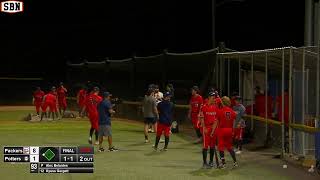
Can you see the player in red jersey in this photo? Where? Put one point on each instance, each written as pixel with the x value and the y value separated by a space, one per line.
pixel 91 102
pixel 37 99
pixel 196 102
pixel 226 118
pixel 209 123
pixel 50 100
pixel 286 107
pixel 81 97
pixel 62 100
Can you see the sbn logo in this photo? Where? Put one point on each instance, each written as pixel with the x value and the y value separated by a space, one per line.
pixel 12 6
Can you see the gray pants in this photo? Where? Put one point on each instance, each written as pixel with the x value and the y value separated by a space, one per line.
pixel 105 130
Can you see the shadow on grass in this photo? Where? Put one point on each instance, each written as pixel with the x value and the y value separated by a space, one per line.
pixel 137 144
pixel 131 130
pixel 154 153
pixel 210 172
pixel 175 166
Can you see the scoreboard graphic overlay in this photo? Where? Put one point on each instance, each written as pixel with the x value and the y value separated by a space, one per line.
pixel 52 159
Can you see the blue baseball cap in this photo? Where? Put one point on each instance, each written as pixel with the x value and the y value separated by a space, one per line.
pixel 167 94
pixel 107 94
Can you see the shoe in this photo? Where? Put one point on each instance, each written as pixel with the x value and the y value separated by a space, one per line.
pixel 90 141
pixel 198 141
pixel 146 141
pixel 155 148
pixel 101 150
pixel 205 166
pixel 152 131
pixel 238 152
pixel 96 143
pixel 149 130
pixel 235 164
pixel 211 164
pixel 161 141
pixel 164 149
pixel 113 149
pixel 222 166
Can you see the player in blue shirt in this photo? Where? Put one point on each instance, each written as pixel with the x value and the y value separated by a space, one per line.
pixel 105 110
pixel 165 109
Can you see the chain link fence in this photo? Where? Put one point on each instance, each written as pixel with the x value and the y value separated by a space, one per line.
pixel 280 89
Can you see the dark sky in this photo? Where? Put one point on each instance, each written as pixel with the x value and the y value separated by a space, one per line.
pixel 48 34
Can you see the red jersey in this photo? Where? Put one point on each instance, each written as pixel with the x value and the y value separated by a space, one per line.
pixel 82 96
pixel 226 117
pixel 61 93
pixel 196 103
pixel 50 98
pixel 209 114
pixel 38 96
pixel 260 101
pixel 286 107
pixel 91 102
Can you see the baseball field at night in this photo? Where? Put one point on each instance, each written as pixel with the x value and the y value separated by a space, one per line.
pixel 135 160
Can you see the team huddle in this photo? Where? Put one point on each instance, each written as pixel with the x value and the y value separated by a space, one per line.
pixel 50 103
pixel 217 121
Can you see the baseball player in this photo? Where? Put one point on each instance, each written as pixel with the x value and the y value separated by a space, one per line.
pixel 209 122
pixel 239 123
pixel 196 102
pixel 226 118
pixel 62 100
pixel 91 103
pixel 37 99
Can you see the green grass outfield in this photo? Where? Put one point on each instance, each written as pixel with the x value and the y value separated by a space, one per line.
pixel 135 161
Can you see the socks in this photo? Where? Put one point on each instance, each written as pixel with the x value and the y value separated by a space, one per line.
pixel 233 155
pixel 157 141
pixel 96 134
pixel 222 157
pixel 240 145
pixel 166 142
pixel 91 132
pixel 198 133
pixel 211 154
pixel 204 155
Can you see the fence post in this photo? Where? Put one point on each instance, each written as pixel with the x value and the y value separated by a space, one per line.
pixel 239 76
pixel 318 88
pixel 133 76
pixel 303 98
pixel 282 104
pixel 252 94
pixel 266 94
pixel 290 100
pixel 228 77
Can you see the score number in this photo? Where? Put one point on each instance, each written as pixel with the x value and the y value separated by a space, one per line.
pixel 34 154
pixel 68 158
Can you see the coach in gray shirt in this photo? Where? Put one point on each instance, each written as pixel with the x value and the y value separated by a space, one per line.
pixel 150 112
pixel 240 110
